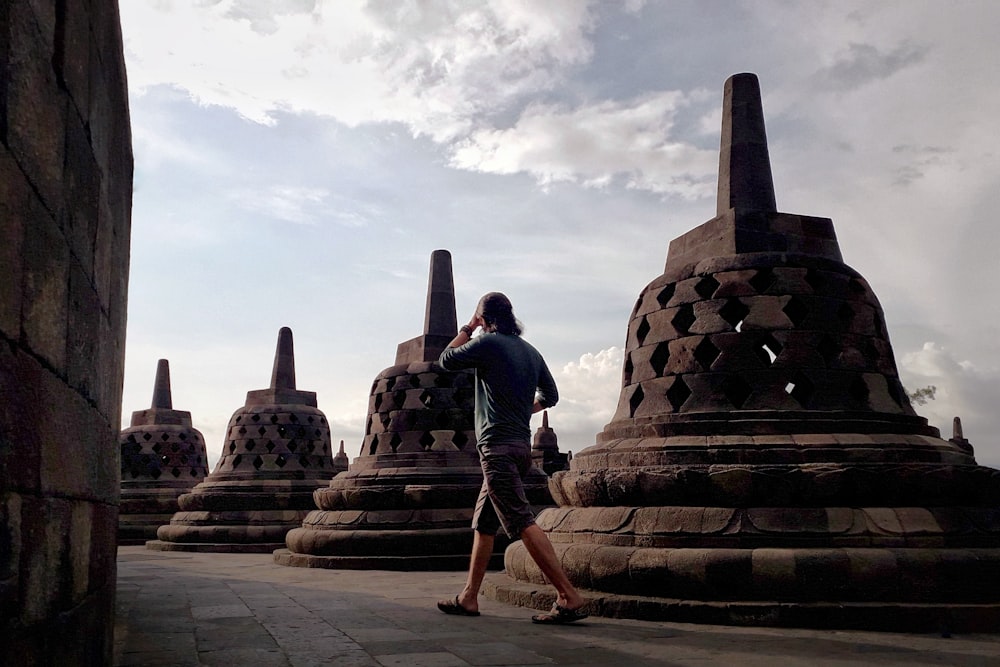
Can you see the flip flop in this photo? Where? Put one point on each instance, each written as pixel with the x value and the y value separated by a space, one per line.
pixel 559 616
pixel 454 608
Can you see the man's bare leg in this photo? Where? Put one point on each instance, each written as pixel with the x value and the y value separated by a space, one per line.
pixel 541 551
pixel 482 550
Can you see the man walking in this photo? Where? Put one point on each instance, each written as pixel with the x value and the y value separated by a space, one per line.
pixel 512 383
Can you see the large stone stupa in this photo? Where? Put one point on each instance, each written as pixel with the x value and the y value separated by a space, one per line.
pixel 764 465
pixel 162 456
pixel 406 503
pixel 276 453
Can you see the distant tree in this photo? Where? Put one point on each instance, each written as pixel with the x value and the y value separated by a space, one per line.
pixel 922 395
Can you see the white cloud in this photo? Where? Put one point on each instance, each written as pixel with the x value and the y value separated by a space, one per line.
pixel 591 145
pixel 284 202
pixel 588 395
pixel 963 390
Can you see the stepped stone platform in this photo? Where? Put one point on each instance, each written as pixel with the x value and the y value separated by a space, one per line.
pixel 162 456
pixel 277 453
pixel 764 464
pixel 406 503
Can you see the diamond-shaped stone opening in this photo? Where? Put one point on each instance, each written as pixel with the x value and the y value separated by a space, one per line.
pixel 399 397
pixel 634 400
pixel 390 383
pixel 426 398
pixel 311 447
pixel 460 439
pixel 706 287
pixel 250 444
pixel 131 438
pixel 157 447
pixel 767 350
pixel 193 473
pixel 155 473
pixel 239 419
pixel 658 360
pixel 292 445
pixel 261 431
pixel 397 439
pixel 734 312
pixel 293 418
pixel 796 311
pixel 385 418
pixel 378 402
pixel 642 330
pixel 164 437
pixel 683 318
pixel 232 446
pixel 443 421
pixel 281 431
pixel 801 389
pixel 413 380
pixel 175 447
pixel 814 280
pixel 736 390
pixel 706 353
pixel 443 380
pixel 164 460
pixel 666 294
pixel 255 418
pixel 304 462
pixel 373 446
pixel 426 440
pixel 176 472
pixel 237 460
pixel 281 461
pixel 845 314
pixel 859 390
pixel 242 430
pixel 310 419
pixel 828 349
pixel 258 462
pixel 678 393
pixel 627 370
pixel 183 435
pixel 147 437
pixel 635 308
pixel 761 280
pixel 274 419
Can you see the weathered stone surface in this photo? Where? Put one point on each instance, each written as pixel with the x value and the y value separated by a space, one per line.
pixel 763 451
pixel 65 161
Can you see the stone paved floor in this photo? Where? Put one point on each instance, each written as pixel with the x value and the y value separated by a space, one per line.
pixel 242 610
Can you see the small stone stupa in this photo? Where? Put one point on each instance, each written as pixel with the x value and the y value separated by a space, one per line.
pixel 162 456
pixel 545 449
pixel 764 465
pixel 276 453
pixel 406 503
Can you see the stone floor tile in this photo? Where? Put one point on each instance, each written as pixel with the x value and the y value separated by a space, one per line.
pixel 442 659
pixel 497 653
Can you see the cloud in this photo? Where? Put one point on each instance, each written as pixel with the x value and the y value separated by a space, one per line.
pixel 594 145
pixel 963 390
pixel 864 63
pixel 588 396
pixel 289 203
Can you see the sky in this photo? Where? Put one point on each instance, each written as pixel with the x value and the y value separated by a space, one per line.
pixel 298 161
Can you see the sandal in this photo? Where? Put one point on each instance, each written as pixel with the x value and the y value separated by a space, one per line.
pixel 455 608
pixel 559 616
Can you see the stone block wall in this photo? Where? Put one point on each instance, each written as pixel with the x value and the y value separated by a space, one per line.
pixel 65 207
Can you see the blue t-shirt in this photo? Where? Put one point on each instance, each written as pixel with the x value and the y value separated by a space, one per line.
pixel 510 374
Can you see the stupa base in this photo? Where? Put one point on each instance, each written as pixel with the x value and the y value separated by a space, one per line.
pixel 437 563
pixel 215 547
pixel 908 617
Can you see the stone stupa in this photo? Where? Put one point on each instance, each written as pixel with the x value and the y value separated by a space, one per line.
pixel 406 503
pixel 162 456
pixel 545 448
pixel 276 453
pixel 764 465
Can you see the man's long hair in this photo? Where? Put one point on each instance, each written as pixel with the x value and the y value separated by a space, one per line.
pixel 498 314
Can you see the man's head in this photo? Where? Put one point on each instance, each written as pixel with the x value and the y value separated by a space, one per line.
pixel 498 314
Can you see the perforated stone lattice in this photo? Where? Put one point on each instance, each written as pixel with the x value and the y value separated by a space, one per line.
pixel 420 407
pixel 791 337
pixel 277 440
pixel 155 453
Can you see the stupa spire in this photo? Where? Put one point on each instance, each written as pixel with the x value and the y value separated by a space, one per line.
pixel 283 374
pixel 744 165
pixel 440 320
pixel 161 387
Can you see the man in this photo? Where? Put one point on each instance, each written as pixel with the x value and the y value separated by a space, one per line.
pixel 512 383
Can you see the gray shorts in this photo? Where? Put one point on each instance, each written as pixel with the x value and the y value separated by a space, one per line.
pixel 502 501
